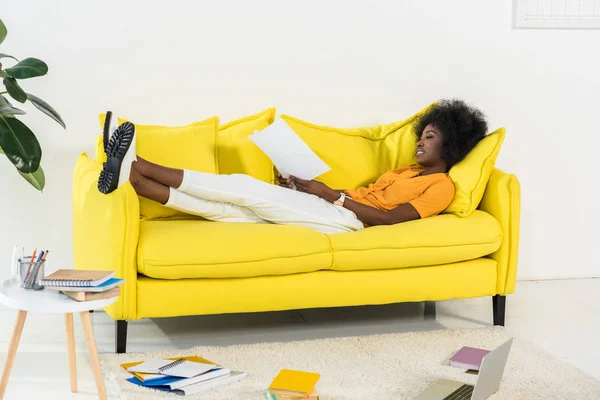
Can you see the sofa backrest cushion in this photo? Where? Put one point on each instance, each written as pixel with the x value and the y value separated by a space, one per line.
pixel 358 156
pixel 236 154
pixel 185 147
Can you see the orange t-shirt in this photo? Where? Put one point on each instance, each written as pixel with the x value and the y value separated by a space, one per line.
pixel 429 194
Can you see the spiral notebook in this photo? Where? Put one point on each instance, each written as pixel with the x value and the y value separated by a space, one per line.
pixel 77 277
pixel 181 368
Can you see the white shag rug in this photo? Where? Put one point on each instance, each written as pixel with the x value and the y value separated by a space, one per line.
pixel 390 366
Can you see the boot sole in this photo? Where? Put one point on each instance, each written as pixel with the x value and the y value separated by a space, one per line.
pixel 116 151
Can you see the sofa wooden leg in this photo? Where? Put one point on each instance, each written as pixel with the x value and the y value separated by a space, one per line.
pixel 499 305
pixel 430 310
pixel 120 336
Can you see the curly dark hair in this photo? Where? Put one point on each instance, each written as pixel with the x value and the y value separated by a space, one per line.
pixel 462 127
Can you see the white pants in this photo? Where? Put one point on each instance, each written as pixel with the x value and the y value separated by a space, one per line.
pixel 241 198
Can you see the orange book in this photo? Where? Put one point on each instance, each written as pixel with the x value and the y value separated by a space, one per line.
pixel 294 383
pixel 88 296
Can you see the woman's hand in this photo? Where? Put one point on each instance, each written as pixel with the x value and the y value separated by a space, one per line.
pixel 283 182
pixel 317 188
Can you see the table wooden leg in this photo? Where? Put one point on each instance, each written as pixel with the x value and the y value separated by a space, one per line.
pixel 12 351
pixel 69 330
pixel 86 321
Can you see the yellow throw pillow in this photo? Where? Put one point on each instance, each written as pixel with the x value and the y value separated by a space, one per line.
pixel 184 147
pixel 236 154
pixel 471 175
pixel 358 156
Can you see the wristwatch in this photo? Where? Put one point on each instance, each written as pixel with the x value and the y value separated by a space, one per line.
pixel 340 201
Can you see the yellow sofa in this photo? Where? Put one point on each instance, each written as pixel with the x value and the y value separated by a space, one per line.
pixel 183 265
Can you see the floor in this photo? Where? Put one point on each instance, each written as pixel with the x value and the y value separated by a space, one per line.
pixel 561 316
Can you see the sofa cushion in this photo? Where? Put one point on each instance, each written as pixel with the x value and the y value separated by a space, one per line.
pixel 185 147
pixel 236 154
pixel 176 249
pixel 436 240
pixel 471 175
pixel 358 156
pixel 376 150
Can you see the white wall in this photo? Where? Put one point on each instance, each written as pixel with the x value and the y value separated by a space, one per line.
pixel 342 63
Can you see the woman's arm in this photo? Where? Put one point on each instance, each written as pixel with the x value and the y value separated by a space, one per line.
pixel 373 216
pixel 367 214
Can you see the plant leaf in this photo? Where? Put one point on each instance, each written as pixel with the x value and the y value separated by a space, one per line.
pixel 37 178
pixel 3 31
pixel 20 144
pixel 27 68
pixel 7 56
pixel 7 108
pixel 46 109
pixel 15 91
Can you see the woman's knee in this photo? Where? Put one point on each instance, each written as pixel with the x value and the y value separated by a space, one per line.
pixel 135 177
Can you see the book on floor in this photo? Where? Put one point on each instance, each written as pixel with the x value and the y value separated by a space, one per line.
pixel 468 358
pixel 77 277
pixel 159 374
pixel 294 383
pixel 194 388
pixel 214 373
pixel 171 382
pixel 272 396
pixel 103 287
pixel 89 296
pixel 179 368
pixel 153 376
pixel 233 376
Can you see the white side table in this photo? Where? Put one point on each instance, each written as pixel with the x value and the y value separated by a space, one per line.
pixel 50 301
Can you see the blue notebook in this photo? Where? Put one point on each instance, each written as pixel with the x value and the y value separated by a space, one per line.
pixel 158 384
pixel 109 284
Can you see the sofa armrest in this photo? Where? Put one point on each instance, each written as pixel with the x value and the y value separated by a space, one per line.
pixel 106 232
pixel 502 199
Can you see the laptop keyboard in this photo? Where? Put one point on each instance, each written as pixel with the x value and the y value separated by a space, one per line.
pixel 462 393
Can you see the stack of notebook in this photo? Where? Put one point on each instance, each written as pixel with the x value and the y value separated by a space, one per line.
pixel 181 375
pixel 293 385
pixel 82 285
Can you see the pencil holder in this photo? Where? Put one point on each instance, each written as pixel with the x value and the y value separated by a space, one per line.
pixel 31 272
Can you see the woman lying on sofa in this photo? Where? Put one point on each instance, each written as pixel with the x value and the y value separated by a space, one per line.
pixel 446 133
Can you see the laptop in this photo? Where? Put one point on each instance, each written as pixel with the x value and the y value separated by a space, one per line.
pixel 488 380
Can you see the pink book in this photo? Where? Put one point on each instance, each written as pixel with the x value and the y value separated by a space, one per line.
pixel 468 358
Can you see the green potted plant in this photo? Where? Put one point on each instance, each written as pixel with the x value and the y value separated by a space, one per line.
pixel 17 141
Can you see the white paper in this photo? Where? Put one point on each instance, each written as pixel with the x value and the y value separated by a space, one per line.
pixel 210 384
pixel 288 151
pixel 201 378
pixel 150 366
